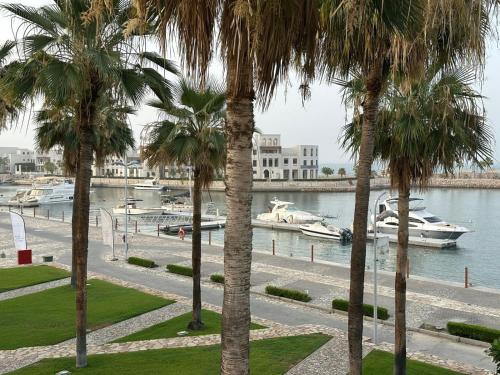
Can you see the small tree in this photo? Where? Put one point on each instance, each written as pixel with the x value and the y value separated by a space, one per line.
pixel 49 167
pixel 341 172
pixel 327 171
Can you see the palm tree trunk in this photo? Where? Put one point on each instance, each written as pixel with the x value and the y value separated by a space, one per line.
pixel 76 209
pixel 196 322
pixel 358 253
pixel 238 232
pixel 400 287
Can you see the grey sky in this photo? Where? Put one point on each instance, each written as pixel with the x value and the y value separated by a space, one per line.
pixel 317 122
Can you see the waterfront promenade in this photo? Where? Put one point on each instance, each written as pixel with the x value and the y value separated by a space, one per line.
pixel 429 302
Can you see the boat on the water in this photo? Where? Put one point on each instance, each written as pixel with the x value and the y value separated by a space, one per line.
pixel 17 198
pixel 281 212
pixel 188 227
pixel 179 203
pixel 151 184
pixel 47 194
pixel 421 223
pixel 331 232
pixel 131 209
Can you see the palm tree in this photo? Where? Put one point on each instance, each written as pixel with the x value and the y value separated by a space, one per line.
pixel 8 107
pixel 257 52
pixel 381 40
pixel 341 172
pixel 192 134
pixel 95 59
pixel 435 124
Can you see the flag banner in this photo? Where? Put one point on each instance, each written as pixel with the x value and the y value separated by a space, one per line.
pixel 18 231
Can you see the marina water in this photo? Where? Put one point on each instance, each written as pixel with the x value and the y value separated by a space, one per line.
pixel 478 210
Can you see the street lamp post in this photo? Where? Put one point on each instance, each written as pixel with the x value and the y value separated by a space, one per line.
pixel 375 315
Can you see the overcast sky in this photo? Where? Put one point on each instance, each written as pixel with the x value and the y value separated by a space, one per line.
pixel 317 122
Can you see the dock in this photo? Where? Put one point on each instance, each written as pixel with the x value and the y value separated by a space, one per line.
pixel 275 226
pixel 418 241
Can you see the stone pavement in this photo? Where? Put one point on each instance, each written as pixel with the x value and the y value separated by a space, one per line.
pixel 323 282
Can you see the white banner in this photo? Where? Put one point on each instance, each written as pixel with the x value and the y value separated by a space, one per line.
pixel 18 231
pixel 107 228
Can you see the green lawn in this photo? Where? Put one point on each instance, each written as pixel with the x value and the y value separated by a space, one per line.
pixel 19 277
pixel 48 317
pixel 381 363
pixel 267 357
pixel 170 328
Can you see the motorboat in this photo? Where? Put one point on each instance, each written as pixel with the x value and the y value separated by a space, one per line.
pixel 344 235
pixel 151 184
pixel 18 197
pixel 421 223
pixel 49 194
pixel 179 203
pixel 281 212
pixel 131 209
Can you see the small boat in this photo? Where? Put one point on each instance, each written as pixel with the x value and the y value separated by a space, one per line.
pixel 281 212
pixel 132 209
pixel 421 223
pixel 344 235
pixel 188 227
pixel 49 194
pixel 151 184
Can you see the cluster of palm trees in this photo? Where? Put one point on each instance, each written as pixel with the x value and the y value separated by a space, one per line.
pixel 407 67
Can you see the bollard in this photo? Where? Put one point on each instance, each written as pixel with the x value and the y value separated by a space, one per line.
pixel 210 237
pixel 34 211
pixel 136 226
pixel 274 253
pixel 312 253
pixel 466 276
pixel 21 210
pixel 63 216
pixel 96 220
pixel 116 223
pixel 48 214
pixel 408 268
pixel 158 230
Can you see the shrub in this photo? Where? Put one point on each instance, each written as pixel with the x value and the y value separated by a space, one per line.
pixel 141 262
pixel 494 353
pixel 288 293
pixel 342 304
pixel 180 270
pixel 473 331
pixel 216 278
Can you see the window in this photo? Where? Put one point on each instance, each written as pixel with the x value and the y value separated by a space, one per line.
pixel 255 163
pixel 285 161
pixel 254 172
pixel 316 163
pixel 312 162
pixel 304 174
pixel 275 162
pixel 433 219
pixel 413 220
pixel 316 152
pixel 275 142
pixel 305 162
pixel 312 152
pixel 305 152
pixel 294 161
pixel 270 162
pixel 254 151
pixel 264 162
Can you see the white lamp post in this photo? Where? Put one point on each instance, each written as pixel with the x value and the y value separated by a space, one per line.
pixel 375 338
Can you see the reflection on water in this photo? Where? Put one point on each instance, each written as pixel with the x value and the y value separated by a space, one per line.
pixel 475 209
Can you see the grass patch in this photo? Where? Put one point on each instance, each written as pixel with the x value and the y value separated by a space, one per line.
pixel 288 293
pixel 267 357
pixel 216 278
pixel 141 262
pixel 342 304
pixel 20 277
pixel 382 363
pixel 472 331
pixel 180 270
pixel 170 328
pixel 48 317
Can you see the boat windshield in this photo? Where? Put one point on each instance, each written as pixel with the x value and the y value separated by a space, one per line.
pixel 433 219
pixel 40 192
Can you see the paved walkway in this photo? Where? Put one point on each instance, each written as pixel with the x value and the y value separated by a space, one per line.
pixel 428 301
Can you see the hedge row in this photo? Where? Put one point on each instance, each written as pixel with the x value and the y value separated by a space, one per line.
pixel 181 270
pixel 473 331
pixel 216 278
pixel 141 262
pixel 288 293
pixel 342 304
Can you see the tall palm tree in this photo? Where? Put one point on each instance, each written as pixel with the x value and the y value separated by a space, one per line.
pixel 95 59
pixel 434 124
pixel 192 134
pixel 257 52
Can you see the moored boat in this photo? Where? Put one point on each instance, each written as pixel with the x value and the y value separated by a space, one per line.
pixel 331 232
pixel 281 212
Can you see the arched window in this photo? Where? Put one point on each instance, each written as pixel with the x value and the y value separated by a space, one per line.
pixel 275 142
pixel 264 141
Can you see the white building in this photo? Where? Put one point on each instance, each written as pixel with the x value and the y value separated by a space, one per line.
pixel 272 161
pixel 17 160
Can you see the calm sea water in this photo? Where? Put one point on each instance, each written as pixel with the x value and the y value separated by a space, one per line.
pixel 476 209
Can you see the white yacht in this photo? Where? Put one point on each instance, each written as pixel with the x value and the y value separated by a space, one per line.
pixel 330 231
pixel 421 223
pixel 281 212
pixel 151 184
pixel 18 197
pixel 132 209
pixel 49 194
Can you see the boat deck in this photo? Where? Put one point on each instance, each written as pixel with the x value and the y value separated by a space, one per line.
pixel 272 225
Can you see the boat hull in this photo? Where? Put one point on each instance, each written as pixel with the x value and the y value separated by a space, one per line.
pixel 423 233
pixel 312 233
